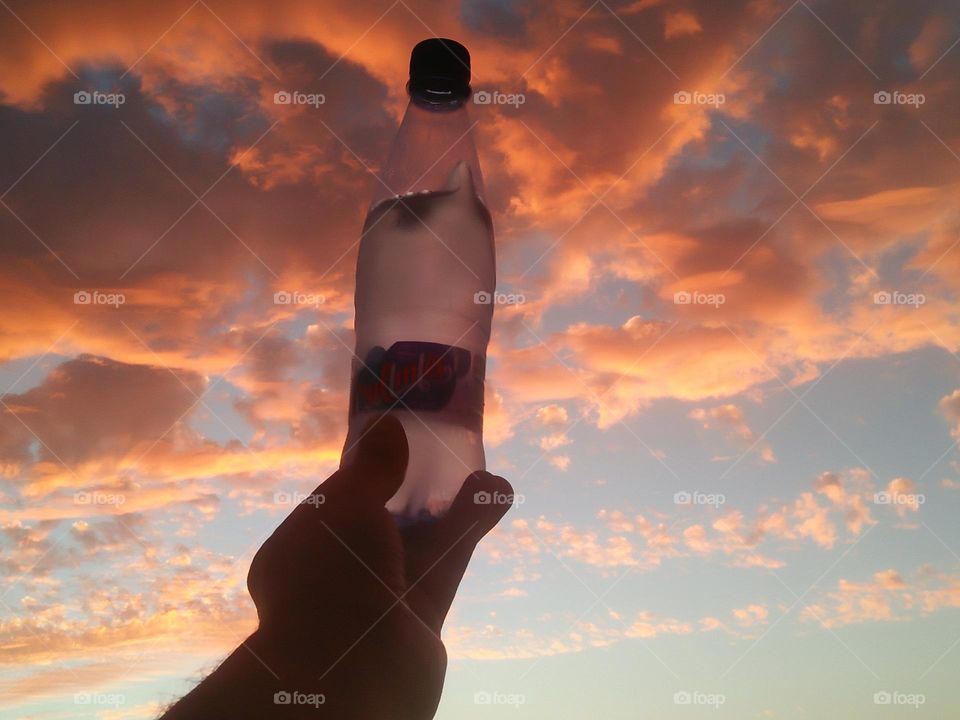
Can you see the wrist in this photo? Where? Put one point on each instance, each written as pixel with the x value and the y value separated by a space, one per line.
pixel 341 677
pixel 392 671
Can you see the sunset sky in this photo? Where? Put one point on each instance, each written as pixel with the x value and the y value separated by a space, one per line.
pixel 790 169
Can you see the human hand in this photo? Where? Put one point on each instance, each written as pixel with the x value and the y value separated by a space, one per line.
pixel 350 605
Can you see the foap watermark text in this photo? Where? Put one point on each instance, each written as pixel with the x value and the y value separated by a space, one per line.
pixel 295 297
pixel 295 97
pixel 696 697
pixel 485 497
pixel 896 697
pixel 494 697
pixel 686 497
pixel 895 97
pixel 695 97
pixel 495 97
pixel 296 697
pixel 885 497
pixel 695 297
pixel 98 297
pixel 282 497
pixel 99 698
pixel 98 497
pixel 95 97
pixel 482 297
pixel 895 297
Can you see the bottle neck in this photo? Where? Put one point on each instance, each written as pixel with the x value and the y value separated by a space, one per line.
pixel 437 100
pixel 433 138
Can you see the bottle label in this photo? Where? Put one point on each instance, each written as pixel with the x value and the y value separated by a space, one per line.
pixel 415 375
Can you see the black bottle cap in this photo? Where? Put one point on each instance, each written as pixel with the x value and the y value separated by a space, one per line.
pixel 439 70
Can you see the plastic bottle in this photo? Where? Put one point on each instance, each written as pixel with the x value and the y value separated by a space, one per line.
pixel 426 274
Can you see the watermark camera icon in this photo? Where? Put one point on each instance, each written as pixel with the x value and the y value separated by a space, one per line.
pixel 282 97
pixel 482 97
pixel 82 97
pixel 282 698
pixel 682 97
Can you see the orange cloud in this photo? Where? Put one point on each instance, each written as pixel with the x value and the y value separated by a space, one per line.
pixel 730 418
pixel 680 23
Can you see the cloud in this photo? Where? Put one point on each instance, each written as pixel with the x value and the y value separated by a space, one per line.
pixel 683 207
pixel 814 521
pixel 493 642
pixel 889 579
pixel 646 541
pixel 93 407
pixel 885 597
pixel 930 42
pixel 848 494
pixel 498 422
pixel 206 595
pixel 751 615
pixel 946 596
pixel 680 23
pixel 902 494
pixel 950 408
pixel 552 416
pixel 729 418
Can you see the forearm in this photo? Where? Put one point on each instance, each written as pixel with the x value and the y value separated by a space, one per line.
pixel 241 687
pixel 259 682
pixel 264 679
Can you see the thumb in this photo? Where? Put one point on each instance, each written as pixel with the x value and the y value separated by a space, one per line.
pixel 482 501
pixel 438 554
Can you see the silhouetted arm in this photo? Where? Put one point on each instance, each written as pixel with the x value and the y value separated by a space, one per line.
pixel 350 607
